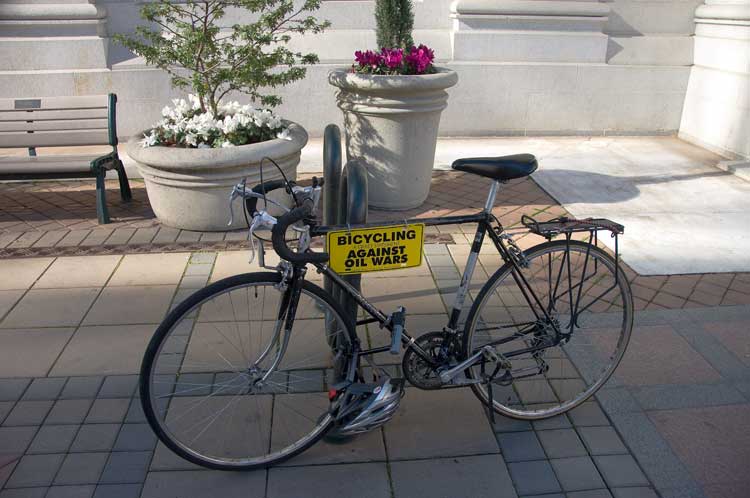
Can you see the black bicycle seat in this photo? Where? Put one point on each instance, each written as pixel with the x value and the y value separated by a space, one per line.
pixel 502 168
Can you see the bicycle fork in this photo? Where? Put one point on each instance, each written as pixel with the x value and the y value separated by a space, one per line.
pixel 284 320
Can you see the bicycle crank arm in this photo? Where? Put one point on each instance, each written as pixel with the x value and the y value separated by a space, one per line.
pixel 487 351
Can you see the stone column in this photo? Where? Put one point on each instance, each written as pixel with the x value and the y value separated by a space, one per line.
pixel 52 35
pixel 716 113
pixel 529 30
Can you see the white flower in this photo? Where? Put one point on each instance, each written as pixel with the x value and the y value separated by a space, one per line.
pixel 191 139
pixel 203 145
pixel 227 144
pixel 166 111
pixel 149 140
pixel 284 134
pixel 274 122
pixel 230 124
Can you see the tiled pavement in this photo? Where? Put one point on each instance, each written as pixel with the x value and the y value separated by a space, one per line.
pixel 672 423
pixel 48 219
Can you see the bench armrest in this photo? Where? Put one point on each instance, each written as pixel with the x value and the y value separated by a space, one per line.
pixel 104 161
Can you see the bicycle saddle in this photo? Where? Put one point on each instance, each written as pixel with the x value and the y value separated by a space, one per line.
pixel 502 168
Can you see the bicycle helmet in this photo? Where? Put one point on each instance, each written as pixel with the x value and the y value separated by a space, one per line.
pixel 364 407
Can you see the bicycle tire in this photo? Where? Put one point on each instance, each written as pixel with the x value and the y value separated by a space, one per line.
pixel 175 317
pixel 504 272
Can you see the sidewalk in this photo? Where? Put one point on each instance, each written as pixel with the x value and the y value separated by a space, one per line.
pixel 79 301
pixel 672 422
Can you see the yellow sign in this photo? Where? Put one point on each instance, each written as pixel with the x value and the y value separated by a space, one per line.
pixel 375 249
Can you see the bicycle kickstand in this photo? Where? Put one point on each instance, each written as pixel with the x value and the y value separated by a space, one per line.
pixel 490 397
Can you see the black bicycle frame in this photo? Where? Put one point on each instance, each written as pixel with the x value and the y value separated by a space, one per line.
pixel 484 220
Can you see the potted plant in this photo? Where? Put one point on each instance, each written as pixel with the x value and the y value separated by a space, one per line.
pixel 204 145
pixel 392 100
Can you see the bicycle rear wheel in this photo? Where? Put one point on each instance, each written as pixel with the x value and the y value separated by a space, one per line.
pixel 202 386
pixel 571 354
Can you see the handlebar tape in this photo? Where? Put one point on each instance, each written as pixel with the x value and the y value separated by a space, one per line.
pixel 278 236
pixel 252 202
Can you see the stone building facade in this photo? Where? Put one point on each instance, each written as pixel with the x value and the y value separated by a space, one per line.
pixel 526 67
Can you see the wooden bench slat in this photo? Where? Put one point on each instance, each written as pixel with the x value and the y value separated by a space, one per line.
pixel 55 138
pixel 54 125
pixel 51 103
pixel 19 165
pixel 44 115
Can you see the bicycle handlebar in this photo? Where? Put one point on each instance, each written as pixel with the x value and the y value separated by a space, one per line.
pixel 251 203
pixel 278 236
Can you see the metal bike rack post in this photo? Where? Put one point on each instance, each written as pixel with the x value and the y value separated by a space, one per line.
pixel 331 183
pixel 353 197
pixel 344 201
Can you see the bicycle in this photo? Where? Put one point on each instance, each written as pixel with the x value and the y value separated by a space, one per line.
pixel 255 368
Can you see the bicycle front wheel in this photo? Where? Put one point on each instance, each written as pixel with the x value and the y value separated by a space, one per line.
pixel 563 340
pixel 224 387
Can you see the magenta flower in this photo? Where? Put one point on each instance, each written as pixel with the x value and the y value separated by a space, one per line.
pixel 392 58
pixel 420 58
pixel 368 59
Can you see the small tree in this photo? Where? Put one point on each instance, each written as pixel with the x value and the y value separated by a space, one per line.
pixel 395 21
pixel 187 40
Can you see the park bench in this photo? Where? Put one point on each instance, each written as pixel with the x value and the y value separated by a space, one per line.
pixel 62 122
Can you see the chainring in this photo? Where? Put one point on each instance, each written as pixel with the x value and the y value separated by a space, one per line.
pixel 416 370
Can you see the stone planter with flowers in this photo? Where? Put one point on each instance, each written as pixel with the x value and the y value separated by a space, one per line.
pixel 392 100
pixel 203 146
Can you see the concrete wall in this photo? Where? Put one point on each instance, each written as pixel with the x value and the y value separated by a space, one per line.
pixel 717 105
pixel 623 69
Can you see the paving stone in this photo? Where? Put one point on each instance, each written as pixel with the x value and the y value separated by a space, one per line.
pixel 577 473
pixel 368 447
pixel 31 352
pixel 200 484
pixel 44 388
pixel 639 492
pixel 28 413
pixel 302 381
pixel 474 476
pixel 24 493
pixel 118 386
pixel 592 493
pixel 561 443
pixel 588 414
pixel 62 307
pixel 656 456
pixel 81 468
pixel 602 440
pixel 108 411
pixel 620 471
pixel 126 467
pixel 135 437
pixel 16 439
pixel 5 409
pixel 365 480
pixel 143 235
pixel 194 270
pixel 118 491
pixel 135 412
pixel 12 389
pixel 69 411
pixel 81 387
pixel 520 446
pixel 35 470
pixel 104 350
pixel 688 396
pixel 79 491
pixel 415 431
pixel 532 478
pixel 556 422
pixel 95 437
pixel 53 439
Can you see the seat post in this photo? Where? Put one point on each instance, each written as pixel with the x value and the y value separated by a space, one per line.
pixel 491 196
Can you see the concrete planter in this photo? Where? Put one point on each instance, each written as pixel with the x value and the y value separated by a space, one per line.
pixel 189 188
pixel 392 125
